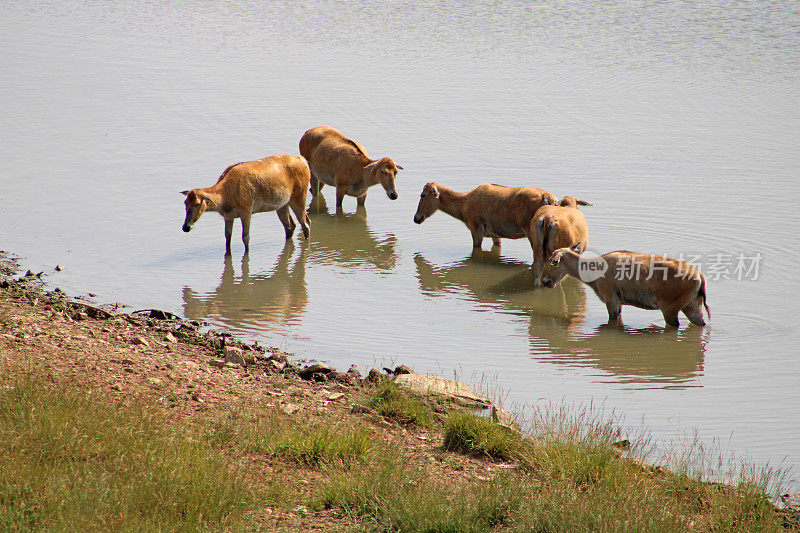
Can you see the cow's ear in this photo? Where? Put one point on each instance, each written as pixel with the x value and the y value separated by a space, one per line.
pixel 435 192
pixel 372 166
pixel 582 202
pixel 399 167
pixel 209 200
pixel 185 193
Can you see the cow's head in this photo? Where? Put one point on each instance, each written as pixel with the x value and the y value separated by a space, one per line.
pixel 571 201
pixel 428 202
pixel 386 171
pixel 196 203
pixel 558 266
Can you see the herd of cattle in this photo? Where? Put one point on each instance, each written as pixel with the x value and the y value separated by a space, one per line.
pixel 557 230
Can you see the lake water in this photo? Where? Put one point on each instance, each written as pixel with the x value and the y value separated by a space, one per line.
pixel 679 122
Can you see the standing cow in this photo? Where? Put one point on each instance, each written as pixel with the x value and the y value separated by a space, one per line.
pixel 554 227
pixel 278 183
pixel 642 280
pixel 494 211
pixel 343 163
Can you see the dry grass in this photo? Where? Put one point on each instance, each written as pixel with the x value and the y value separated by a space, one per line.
pixel 71 461
pixel 389 401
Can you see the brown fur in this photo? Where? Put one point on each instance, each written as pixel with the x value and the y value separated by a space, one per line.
pixel 488 210
pixel 673 286
pixel 343 163
pixel 554 227
pixel 278 183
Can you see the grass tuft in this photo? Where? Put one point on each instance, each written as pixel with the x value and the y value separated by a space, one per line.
pixel 389 401
pixel 472 434
pixel 310 443
pixel 72 461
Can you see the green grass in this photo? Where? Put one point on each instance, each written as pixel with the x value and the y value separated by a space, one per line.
pixel 562 485
pixel 389 401
pixel 467 433
pixel 70 461
pixel 310 443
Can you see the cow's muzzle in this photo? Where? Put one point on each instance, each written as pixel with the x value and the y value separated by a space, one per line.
pixel 392 195
pixel 186 228
pixel 418 219
pixel 547 282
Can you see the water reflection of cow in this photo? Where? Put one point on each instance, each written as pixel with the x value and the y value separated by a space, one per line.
pixel 252 302
pixel 558 332
pixel 345 239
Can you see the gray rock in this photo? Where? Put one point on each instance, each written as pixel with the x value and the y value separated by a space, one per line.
pixel 455 391
pixel 140 341
pixel 505 419
pixel 375 376
pixel 277 365
pixel 290 408
pixel 402 369
pixel 234 355
pixel 319 367
pixel 353 372
pixel 317 372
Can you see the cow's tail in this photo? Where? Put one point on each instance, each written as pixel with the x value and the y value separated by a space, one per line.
pixel 540 237
pixel 702 294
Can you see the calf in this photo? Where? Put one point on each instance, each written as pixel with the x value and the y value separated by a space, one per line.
pixel 557 226
pixel 641 280
pixel 488 210
pixel 278 183
pixel 340 162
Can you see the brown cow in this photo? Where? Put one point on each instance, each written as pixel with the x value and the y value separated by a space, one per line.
pixel 488 210
pixel 641 280
pixel 343 163
pixel 278 183
pixel 554 227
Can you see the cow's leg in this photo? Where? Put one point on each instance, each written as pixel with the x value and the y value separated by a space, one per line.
pixel 246 232
pixel 339 197
pixel 496 241
pixel 671 316
pixel 361 199
pixel 694 314
pixel 316 185
pixel 285 216
pixel 301 215
pixel 477 235
pixel 538 267
pixel 614 309
pixel 228 234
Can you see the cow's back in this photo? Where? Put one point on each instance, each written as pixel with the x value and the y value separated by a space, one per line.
pixel 659 275
pixel 570 224
pixel 270 181
pixel 329 153
pixel 312 138
pixel 523 202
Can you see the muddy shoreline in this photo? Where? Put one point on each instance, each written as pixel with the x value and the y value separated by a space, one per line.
pixel 194 373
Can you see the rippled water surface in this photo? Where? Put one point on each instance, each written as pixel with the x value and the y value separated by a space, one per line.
pixel 679 122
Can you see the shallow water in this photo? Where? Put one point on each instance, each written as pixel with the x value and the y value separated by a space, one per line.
pixel 678 122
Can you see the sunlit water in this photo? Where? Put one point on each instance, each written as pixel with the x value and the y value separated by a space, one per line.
pixel 678 121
